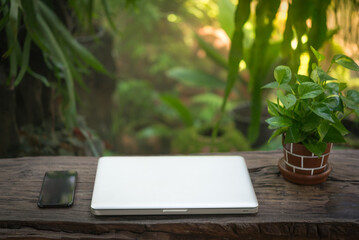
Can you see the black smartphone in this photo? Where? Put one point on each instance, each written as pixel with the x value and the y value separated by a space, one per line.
pixel 58 189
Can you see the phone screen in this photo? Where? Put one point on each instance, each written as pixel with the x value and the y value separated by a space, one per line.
pixel 58 189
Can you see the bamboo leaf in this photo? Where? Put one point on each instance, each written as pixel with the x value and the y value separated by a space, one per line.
pixel 4 20
pixel 25 60
pixel 14 17
pixel 65 35
pixel 265 14
pixel 12 54
pixel 236 51
pixel 32 26
pixel 226 15
pixel 211 52
pixel 108 15
pixel 193 77
pixel 89 11
pixel 39 77
pixel 58 54
pixel 182 110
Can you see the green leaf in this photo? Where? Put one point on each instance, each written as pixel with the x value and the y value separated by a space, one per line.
pixel 342 86
pixel 61 32
pixel 288 101
pixel 25 60
pixel 236 50
pixel 318 148
pixel 211 100
pixel 286 87
pixel 282 74
pixel 211 52
pixel 271 85
pixel 346 62
pixel 226 15
pixel 350 102
pixel 293 134
pixel 334 103
pixel 323 129
pixel 12 53
pixel 276 133
pixel 302 78
pixel 333 136
pixel 58 55
pixel 5 18
pixel 279 121
pixel 353 96
pixel 14 19
pixel 309 90
pixel 323 75
pixel 39 77
pixel 310 123
pixel 332 87
pixel 318 75
pixel 31 22
pixel 106 9
pixel 322 110
pixel 339 126
pixel 319 56
pixel 181 109
pixel 192 77
pixel 154 131
pixel 272 108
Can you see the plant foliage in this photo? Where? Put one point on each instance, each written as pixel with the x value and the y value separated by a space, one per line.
pixel 309 110
pixel 62 53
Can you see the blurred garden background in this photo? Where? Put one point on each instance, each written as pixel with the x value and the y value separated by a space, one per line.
pixel 138 77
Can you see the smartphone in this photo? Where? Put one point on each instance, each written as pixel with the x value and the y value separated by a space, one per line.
pixel 58 189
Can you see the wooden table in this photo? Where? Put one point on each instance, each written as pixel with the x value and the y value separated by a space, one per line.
pixel 286 210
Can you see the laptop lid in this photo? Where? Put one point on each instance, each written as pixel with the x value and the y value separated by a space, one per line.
pixel 173 185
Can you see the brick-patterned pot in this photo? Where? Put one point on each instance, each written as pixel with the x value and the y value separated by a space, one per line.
pixel 299 163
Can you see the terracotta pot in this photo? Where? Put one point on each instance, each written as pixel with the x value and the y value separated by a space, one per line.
pixel 301 166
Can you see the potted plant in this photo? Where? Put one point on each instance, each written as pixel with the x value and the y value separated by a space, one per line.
pixel 307 113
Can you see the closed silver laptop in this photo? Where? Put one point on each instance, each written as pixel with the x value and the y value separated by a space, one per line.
pixel 173 185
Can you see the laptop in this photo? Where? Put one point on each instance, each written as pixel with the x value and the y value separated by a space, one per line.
pixel 162 185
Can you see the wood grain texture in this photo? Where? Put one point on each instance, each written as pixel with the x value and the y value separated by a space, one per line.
pixel 329 210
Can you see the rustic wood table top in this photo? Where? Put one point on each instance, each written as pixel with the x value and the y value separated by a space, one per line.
pixel 286 210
